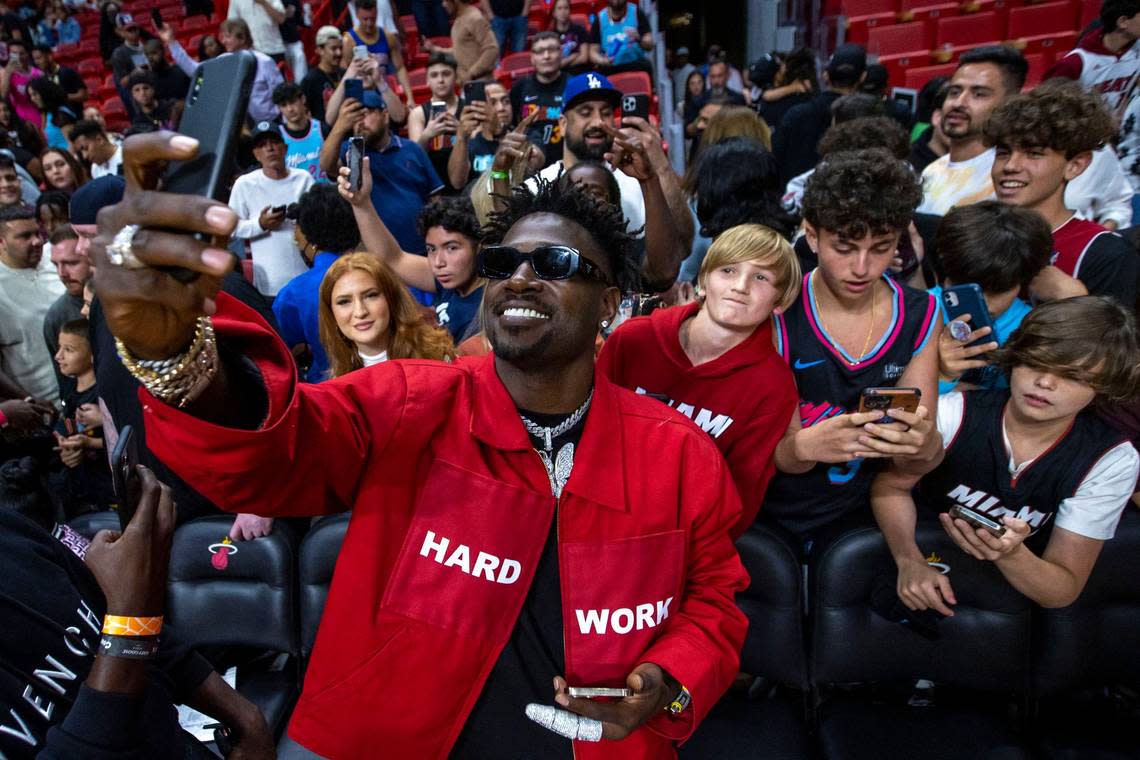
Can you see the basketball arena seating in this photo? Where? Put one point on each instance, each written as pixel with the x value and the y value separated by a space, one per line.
pixel 1012 680
pixel 920 39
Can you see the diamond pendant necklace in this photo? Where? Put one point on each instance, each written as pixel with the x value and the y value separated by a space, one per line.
pixel 557 466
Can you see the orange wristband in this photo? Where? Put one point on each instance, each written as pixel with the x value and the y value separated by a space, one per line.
pixel 120 625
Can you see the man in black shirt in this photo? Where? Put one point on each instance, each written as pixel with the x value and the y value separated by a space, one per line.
pixel 509 22
pixel 795 139
pixel 170 82
pixel 481 126
pixel 542 91
pixel 65 77
pixel 321 81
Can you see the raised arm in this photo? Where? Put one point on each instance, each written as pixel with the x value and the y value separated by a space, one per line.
pixel 378 240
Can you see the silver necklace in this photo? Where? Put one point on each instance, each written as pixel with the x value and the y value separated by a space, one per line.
pixel 557 466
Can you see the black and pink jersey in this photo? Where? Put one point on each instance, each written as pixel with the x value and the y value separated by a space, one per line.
pixel 829 385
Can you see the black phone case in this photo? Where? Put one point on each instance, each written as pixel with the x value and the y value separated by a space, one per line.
pixel 969 301
pixel 475 92
pixel 635 105
pixel 215 109
pixel 354 88
pixel 125 476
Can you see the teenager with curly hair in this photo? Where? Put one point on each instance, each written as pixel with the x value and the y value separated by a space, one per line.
pixel 1043 140
pixel 852 328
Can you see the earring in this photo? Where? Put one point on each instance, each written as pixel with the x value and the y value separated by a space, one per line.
pixel 605 323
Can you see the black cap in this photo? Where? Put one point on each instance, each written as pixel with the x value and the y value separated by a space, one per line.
pixel 265 129
pixel 762 72
pixel 94 195
pixel 847 64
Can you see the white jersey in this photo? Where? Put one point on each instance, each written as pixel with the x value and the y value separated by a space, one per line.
pixel 1113 76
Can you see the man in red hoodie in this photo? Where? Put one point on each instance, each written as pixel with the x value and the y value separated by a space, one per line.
pixel 520 523
pixel 715 362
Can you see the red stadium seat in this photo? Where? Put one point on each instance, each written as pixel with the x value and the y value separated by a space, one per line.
pixel 92 83
pixel 514 61
pixel 195 24
pixel 90 67
pixel 409 24
pixel 89 47
pixel 916 78
pixel 897 39
pixel 1035 27
pixel 864 15
pixel 113 106
pixel 1039 63
pixel 632 82
pixel 922 10
pixel 67 51
pixel 899 64
pixel 958 32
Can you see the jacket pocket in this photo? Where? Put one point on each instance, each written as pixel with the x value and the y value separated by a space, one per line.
pixel 617 598
pixel 469 555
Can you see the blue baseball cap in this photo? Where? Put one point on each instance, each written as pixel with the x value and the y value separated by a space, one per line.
pixel 373 99
pixel 590 86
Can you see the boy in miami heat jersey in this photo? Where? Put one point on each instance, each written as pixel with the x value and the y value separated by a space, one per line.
pixel 714 361
pixel 1043 140
pixel 1033 457
pixel 852 328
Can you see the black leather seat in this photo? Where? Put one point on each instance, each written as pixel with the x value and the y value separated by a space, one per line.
pixel 93 522
pixel 1082 649
pixel 316 562
pixel 770 725
pixel 983 649
pixel 246 599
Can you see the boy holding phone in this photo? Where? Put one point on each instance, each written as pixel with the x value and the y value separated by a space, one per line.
pixel 80 437
pixel 1000 248
pixel 1044 140
pixel 1033 458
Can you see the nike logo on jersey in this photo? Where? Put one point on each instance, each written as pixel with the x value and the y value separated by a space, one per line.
pixel 801 364
pixel 707 420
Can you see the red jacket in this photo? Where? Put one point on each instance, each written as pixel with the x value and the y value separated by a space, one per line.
pixel 451 507
pixel 743 399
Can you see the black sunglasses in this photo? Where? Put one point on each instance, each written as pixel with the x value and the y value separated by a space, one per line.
pixel 549 262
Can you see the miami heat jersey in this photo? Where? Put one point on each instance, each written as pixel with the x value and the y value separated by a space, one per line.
pixel 1101 259
pixel 975 471
pixel 829 385
pixel 1111 75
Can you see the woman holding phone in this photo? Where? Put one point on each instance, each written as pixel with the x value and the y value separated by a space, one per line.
pixel 366 316
pixel 853 328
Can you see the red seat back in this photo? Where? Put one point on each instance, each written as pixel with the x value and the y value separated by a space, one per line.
pixel 899 38
pixel 1040 20
pixel 974 29
pixel 632 82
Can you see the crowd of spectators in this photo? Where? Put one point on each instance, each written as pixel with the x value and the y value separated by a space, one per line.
pixel 816 246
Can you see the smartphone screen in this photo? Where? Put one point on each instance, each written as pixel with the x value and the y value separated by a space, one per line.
pixel 354 88
pixel 359 52
pixel 882 399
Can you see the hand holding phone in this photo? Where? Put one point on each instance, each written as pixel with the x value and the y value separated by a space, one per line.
pixel 882 399
pixel 131 567
pixel 125 475
pixel 475 92
pixel 977 520
pixel 355 160
pixel 635 105
pixel 354 88
pixel 156 17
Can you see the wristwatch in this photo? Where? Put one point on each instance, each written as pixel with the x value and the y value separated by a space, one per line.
pixel 680 703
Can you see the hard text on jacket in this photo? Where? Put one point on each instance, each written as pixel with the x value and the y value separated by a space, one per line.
pixel 486 566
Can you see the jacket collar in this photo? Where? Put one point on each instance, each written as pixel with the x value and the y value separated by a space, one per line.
pixel 599 462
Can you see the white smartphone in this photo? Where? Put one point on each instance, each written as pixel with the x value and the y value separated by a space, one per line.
pixel 360 52
pixel 589 692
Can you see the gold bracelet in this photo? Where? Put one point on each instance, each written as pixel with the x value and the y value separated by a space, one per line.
pixel 123 625
pixel 180 379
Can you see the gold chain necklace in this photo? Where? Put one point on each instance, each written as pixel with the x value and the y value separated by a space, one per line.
pixel 827 332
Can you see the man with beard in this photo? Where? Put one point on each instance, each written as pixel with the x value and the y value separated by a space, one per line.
pixel 985 77
pixel 651 196
pixel 28 287
pixel 403 178
pixel 519 522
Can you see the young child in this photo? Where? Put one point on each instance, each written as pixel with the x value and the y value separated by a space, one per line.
pixel 81 441
pixel 1043 140
pixel 1033 457
pixel 1001 249
pixel 714 360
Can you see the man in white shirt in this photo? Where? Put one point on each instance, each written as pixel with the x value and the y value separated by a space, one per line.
pixel 588 106
pixel 260 198
pixel 29 285
pixel 985 77
pixel 263 18
pixel 93 144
